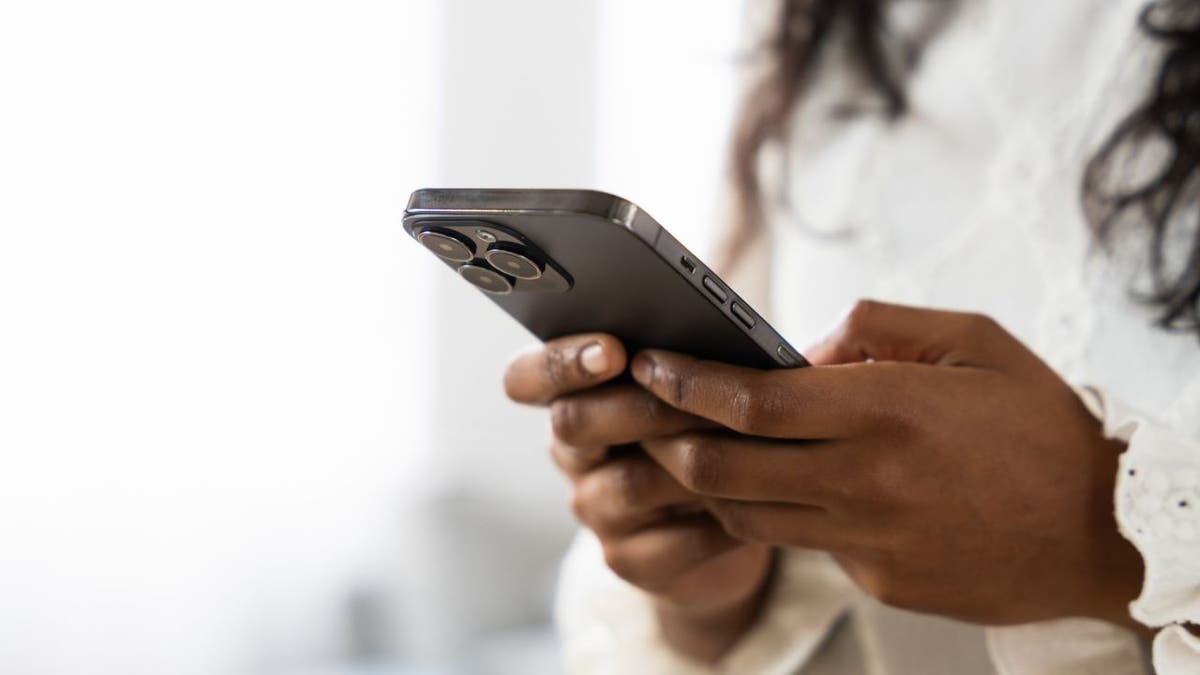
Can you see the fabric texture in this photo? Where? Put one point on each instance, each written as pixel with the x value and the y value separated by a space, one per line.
pixel 608 626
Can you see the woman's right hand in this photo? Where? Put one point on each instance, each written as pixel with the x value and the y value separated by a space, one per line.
pixel 656 535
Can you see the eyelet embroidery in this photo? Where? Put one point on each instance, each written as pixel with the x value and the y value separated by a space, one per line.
pixel 1163 504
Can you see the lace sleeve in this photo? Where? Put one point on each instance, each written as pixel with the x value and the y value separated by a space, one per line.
pixel 1158 509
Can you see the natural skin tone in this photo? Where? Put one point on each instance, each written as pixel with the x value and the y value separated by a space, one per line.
pixel 946 468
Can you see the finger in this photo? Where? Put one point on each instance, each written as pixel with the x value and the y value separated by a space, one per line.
pixel 629 494
pixel 574 460
pixel 655 558
pixel 782 524
pixel 718 583
pixel 750 469
pixel 809 403
pixel 877 331
pixel 562 366
pixel 617 414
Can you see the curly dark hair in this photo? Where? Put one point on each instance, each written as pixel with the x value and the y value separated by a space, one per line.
pixel 1166 206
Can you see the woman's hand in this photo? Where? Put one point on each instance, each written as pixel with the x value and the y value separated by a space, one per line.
pixel 947 468
pixel 655 534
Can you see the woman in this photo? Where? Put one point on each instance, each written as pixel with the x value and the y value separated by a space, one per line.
pixel 935 473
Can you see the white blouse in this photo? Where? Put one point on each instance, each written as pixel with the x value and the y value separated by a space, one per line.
pixel 971 201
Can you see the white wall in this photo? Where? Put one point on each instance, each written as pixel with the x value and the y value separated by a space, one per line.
pixel 232 394
pixel 210 381
pixel 668 85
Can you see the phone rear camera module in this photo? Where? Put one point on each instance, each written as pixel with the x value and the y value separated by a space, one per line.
pixel 514 263
pixel 448 245
pixel 485 279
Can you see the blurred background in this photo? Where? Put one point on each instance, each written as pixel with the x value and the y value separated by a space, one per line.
pixel 246 425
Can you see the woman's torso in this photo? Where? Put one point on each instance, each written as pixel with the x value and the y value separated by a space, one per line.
pixel 971 201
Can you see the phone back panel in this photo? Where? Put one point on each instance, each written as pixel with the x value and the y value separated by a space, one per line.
pixel 628 275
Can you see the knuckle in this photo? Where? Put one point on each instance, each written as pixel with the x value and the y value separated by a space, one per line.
pixel 900 414
pixel 900 422
pixel 558 366
pixel 621 563
pixel 880 491
pixel 977 326
pixel 743 413
pixel 861 316
pixel 651 408
pixel 736 520
pixel 652 569
pixel 700 463
pixel 872 583
pixel 880 586
pixel 882 476
pixel 896 595
pixel 878 580
pixel 576 461
pixel 983 321
pixel 579 506
pixel 567 419
pixel 558 456
pixel 675 384
pixel 588 500
pixel 627 484
pixel 755 406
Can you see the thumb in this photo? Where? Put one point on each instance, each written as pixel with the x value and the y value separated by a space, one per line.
pixel 877 331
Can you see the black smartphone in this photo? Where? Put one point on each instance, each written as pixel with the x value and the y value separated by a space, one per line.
pixel 578 261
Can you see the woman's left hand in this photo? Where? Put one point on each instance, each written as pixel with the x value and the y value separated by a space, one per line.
pixel 944 465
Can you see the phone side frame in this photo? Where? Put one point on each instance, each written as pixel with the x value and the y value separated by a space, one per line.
pixel 443 202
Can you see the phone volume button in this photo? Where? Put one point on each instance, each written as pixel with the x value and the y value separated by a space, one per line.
pixel 742 314
pixel 715 290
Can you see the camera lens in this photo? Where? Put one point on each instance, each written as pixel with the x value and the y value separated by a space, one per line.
pixel 486 279
pixel 447 244
pixel 513 263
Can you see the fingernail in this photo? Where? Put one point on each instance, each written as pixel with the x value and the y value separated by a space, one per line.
pixel 593 359
pixel 643 368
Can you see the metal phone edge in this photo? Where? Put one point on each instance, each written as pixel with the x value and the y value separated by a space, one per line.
pixel 617 210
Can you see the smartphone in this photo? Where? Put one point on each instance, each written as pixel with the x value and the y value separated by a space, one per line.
pixel 563 262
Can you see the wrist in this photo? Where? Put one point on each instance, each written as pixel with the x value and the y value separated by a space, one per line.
pixel 1120 568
